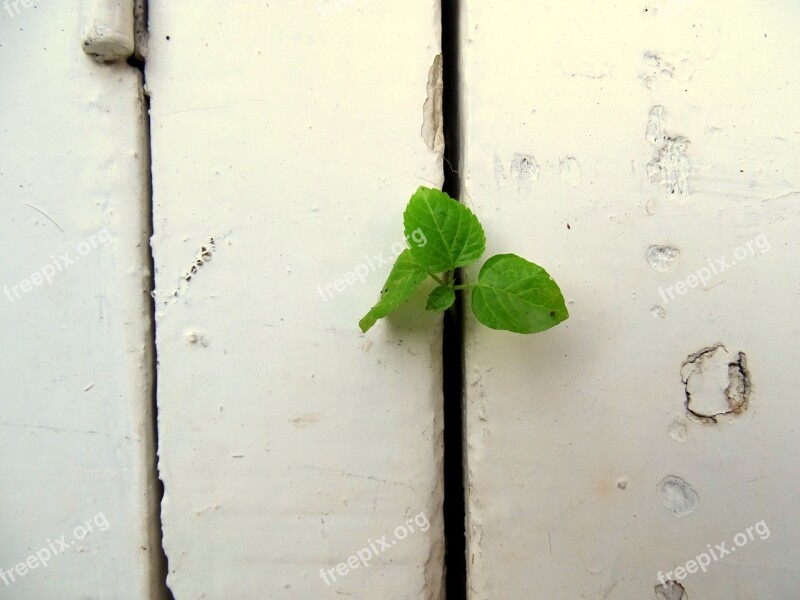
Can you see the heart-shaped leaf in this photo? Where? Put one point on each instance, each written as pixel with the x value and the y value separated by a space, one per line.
pixel 452 235
pixel 516 295
pixel 404 278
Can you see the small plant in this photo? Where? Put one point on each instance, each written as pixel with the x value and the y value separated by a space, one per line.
pixel 511 293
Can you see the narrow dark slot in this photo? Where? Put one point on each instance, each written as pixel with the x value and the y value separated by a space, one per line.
pixel 159 557
pixel 453 344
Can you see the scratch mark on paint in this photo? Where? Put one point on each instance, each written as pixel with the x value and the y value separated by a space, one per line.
pixel 39 210
pixel 208 108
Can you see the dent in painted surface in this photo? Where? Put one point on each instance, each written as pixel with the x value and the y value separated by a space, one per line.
pixel 660 257
pixel 659 312
pixel 678 430
pixel 524 170
pixel 677 495
pixel 570 170
pixel 671 590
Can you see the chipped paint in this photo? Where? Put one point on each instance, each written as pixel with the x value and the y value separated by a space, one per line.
pixel 670 167
pixel 717 383
pixel 432 123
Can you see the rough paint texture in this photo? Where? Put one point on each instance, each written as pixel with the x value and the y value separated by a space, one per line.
pixel 556 421
pixel 670 168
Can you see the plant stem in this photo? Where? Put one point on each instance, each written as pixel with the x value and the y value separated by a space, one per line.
pixel 464 286
pixel 437 278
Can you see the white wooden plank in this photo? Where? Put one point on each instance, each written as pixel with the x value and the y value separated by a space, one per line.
pixel 287 140
pixel 572 433
pixel 75 434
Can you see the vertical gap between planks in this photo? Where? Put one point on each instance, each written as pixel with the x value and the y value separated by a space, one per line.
pixel 158 564
pixel 453 343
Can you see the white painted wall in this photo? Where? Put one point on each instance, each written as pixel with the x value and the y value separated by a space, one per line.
pixel 571 432
pixel 287 139
pixel 75 433
pixel 286 142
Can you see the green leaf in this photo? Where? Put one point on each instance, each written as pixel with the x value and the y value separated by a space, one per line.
pixel 443 234
pixel 441 298
pixel 516 295
pixel 405 277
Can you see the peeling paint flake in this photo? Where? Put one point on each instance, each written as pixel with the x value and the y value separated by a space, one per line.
pixel 432 123
pixel 717 383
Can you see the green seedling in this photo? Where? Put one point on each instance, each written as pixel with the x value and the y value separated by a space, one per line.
pixel 511 293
